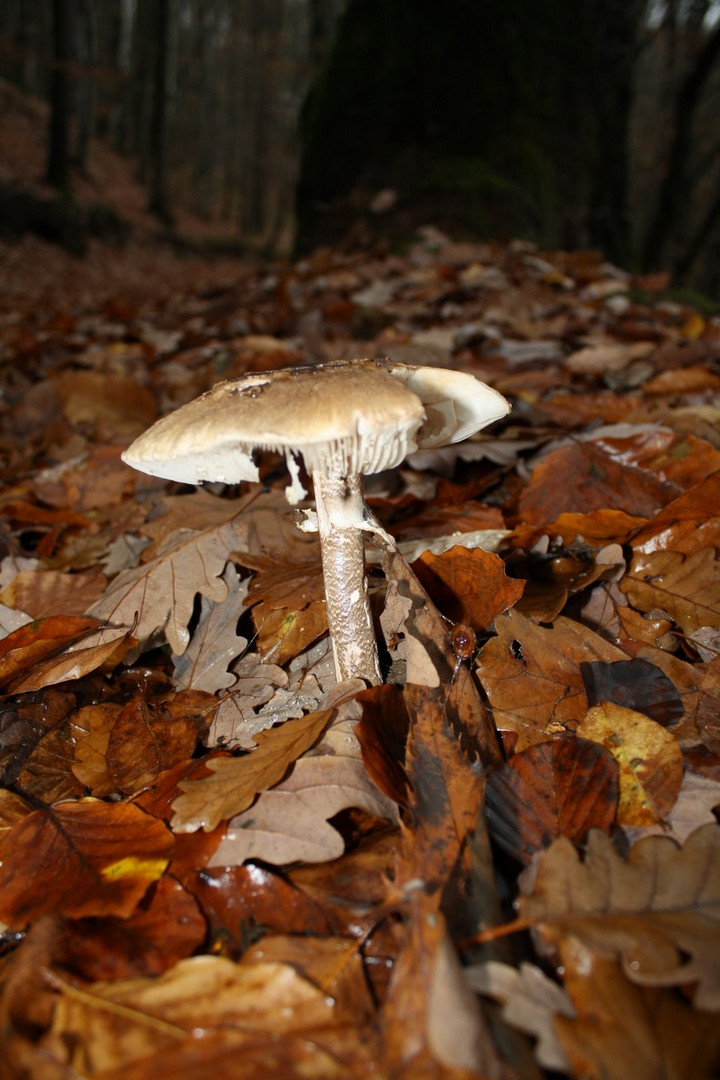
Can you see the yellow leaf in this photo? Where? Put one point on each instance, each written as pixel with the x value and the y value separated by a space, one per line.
pixel 649 761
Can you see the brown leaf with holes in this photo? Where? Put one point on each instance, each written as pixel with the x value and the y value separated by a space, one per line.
pixel 531 675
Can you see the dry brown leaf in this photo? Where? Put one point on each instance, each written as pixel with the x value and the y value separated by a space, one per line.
pixel 114 1025
pixel 687 587
pixel 41 593
pixel 290 822
pixel 111 403
pixel 532 675
pixel 235 782
pixel 430 1021
pixel 658 911
pixel 650 763
pixel 160 595
pixel 215 642
pixel 530 1001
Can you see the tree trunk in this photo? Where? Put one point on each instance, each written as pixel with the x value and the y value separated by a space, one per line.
pixel 58 162
pixel 159 199
pixel 675 187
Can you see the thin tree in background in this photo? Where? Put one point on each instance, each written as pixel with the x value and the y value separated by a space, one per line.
pixel 58 161
pixel 674 192
pixel 159 196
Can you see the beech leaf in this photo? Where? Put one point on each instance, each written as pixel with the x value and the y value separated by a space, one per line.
pixel 80 858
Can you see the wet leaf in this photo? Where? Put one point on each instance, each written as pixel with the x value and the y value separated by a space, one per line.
pixel 80 858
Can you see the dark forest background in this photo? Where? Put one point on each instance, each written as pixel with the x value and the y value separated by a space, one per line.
pixel 294 123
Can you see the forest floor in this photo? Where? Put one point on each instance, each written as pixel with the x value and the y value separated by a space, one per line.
pixel 503 862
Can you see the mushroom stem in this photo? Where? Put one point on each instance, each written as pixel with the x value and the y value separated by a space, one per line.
pixel 340 518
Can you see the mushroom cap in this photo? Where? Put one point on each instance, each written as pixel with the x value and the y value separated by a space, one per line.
pixel 348 417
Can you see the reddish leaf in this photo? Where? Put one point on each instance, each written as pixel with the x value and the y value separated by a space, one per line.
pixel 468 585
pixel 559 788
pixel 83 858
pixel 21 650
pixel 586 476
pixel 166 926
pixel 240 902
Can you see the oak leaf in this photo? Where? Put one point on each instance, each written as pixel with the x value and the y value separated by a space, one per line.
pixel 658 911
pixel 630 1032
pixel 532 675
pixel 530 1002
pixel 235 782
pixel 290 822
pixel 160 595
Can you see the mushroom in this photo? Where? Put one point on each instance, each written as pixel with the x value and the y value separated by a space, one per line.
pixel 345 419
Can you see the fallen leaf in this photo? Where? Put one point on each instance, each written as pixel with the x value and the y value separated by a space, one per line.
pixel 160 595
pixel 235 782
pixel 42 593
pixel 530 1002
pixel 215 642
pixel 634 684
pixel 27 646
pixel 658 911
pixel 629 1032
pixel 531 675
pixel 687 587
pixel 290 822
pixel 80 858
pixel 649 761
pixel 561 788
pixel 468 586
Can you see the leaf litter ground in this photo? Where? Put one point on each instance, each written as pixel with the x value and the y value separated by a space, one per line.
pixel 504 862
